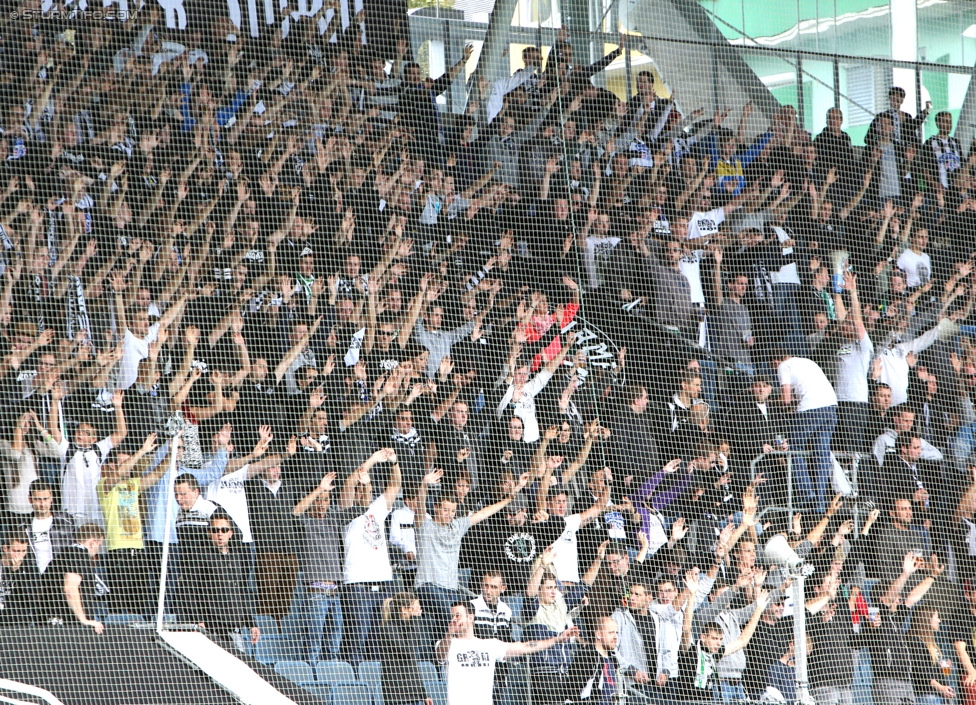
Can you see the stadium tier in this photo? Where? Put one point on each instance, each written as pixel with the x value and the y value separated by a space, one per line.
pixel 488 352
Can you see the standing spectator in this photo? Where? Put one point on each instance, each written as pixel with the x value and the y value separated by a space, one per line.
pixel 19 582
pixel 815 416
pixel 851 378
pixel 493 620
pixel 929 676
pixel 519 397
pixel 271 498
pixel 962 635
pixel 321 564
pixel 69 587
pixel 470 661
pixel 367 572
pixel 23 455
pixel 891 658
pixel 222 603
pixel 399 640
pixel 81 464
pixel 119 491
pixel 439 548
pixel 643 650
pixel 48 532
pixel 700 676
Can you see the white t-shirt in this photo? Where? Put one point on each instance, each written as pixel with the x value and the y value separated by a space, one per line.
pixel 41 538
pixel 853 363
pixel 367 557
pixel 599 250
pixel 565 558
pixel 402 534
pixel 788 273
pixel 917 268
pixel 699 225
pixel 810 385
pixel 524 408
pixel 471 670
pixel 134 351
pixel 228 492
pixel 80 473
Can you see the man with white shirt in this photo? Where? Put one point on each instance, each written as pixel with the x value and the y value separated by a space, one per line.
pixel 81 463
pixel 892 360
pixel 470 661
pixel 853 365
pixel 48 532
pixel 527 76
pixel 138 337
pixel 565 557
pixel 701 226
pixel 902 421
pixel 803 382
pixel 915 261
pixel 367 572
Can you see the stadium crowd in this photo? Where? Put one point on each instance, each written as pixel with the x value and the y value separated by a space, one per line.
pixel 526 354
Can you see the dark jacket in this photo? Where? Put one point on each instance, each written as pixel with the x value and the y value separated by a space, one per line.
pixel 586 667
pixel 402 683
pixel 62 534
pixel 221 598
pixel 270 513
pixel 831 663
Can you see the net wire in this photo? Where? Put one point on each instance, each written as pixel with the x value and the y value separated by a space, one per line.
pixel 412 354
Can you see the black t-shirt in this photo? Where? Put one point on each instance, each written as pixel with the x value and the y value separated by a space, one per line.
pixel 690 661
pixel 18 593
pixel 962 627
pixel 768 644
pixel 513 549
pixel 72 560
pixel 380 363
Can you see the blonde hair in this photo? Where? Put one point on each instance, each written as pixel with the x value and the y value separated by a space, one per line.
pixel 396 604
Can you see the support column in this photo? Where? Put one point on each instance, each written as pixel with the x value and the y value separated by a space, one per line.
pixel 904 47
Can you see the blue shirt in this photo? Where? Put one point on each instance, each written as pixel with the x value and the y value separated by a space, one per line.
pixel 156 497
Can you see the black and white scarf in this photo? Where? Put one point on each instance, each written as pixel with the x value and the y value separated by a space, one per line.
pixel 76 310
pixel 411 439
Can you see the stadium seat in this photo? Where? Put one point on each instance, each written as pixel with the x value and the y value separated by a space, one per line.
pixel 322 692
pixel 268 650
pixel 123 619
pixel 298 672
pixel 429 671
pixel 267 625
pixel 338 672
pixel 351 694
pixel 371 675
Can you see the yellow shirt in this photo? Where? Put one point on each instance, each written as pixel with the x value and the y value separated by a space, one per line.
pixel 120 507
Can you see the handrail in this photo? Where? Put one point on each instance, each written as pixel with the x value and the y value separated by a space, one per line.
pixel 855 459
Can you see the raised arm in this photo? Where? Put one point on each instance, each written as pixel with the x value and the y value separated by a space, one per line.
pixel 324 487
pixel 492 509
pixel 118 435
pixel 431 478
pixel 524 648
pixel 743 639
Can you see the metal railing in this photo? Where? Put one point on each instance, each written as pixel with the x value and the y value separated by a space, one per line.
pixel 790 509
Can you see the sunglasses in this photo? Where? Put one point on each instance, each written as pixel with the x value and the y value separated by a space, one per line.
pixel 221 530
